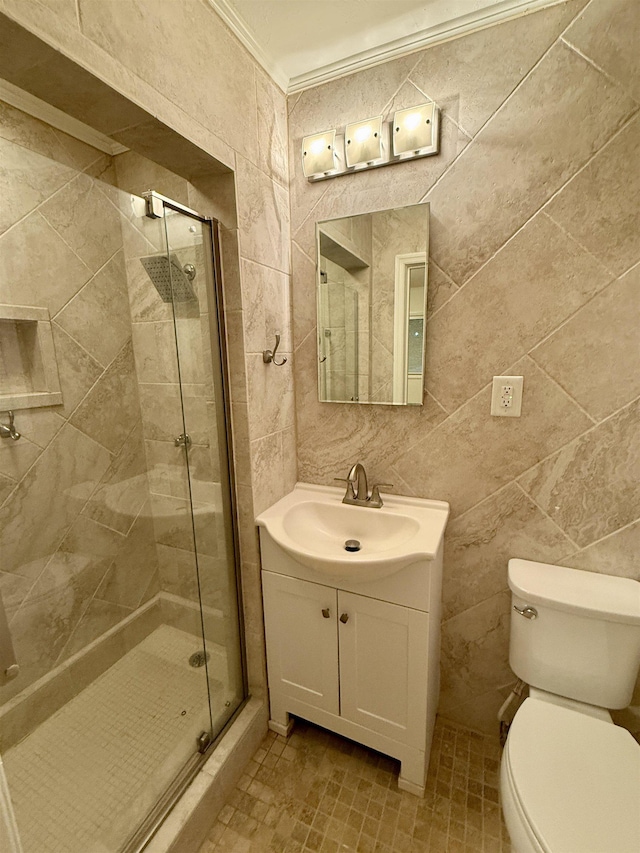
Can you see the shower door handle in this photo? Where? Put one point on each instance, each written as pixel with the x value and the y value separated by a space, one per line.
pixel 8 664
pixel 182 440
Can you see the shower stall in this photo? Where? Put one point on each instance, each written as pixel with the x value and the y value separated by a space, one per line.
pixel 122 649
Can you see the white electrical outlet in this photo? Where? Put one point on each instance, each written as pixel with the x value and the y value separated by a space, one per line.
pixel 506 396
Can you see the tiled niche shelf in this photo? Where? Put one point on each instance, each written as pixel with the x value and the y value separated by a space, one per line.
pixel 28 367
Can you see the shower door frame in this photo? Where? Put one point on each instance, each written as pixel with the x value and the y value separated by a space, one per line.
pixel 156 203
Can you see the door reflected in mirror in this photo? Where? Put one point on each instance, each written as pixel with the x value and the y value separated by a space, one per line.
pixel 372 302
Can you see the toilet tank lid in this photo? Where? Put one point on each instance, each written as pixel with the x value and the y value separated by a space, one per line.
pixel 588 593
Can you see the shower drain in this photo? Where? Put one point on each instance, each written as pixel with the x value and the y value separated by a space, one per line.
pixel 199 659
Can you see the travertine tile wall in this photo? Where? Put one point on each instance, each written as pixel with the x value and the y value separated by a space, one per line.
pixel 535 203
pixel 181 63
pixel 77 545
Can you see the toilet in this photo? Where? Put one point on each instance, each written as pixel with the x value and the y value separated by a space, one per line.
pixel 569 777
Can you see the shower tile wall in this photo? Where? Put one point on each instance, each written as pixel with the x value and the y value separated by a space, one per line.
pixel 240 120
pixel 533 271
pixel 78 546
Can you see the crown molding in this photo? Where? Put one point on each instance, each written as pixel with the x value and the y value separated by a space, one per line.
pixel 237 25
pixel 455 28
pixel 43 111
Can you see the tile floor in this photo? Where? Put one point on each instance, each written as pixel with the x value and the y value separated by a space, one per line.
pixel 319 792
pixel 81 780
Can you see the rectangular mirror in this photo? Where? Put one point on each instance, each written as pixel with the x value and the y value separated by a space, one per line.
pixel 372 303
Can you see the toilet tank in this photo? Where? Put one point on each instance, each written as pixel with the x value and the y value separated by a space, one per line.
pixel 584 643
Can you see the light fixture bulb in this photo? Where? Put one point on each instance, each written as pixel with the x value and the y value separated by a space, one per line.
pixel 415 131
pixel 412 121
pixel 363 142
pixel 318 153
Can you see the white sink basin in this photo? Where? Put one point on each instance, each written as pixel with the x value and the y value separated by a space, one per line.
pixel 312 525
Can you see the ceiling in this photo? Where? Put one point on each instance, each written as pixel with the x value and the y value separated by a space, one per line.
pixel 305 42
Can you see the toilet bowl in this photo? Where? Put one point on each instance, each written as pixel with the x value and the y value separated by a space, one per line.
pixel 570 782
pixel 569 777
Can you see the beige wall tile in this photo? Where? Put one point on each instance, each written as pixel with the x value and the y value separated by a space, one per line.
pixel 137 174
pixel 270 396
pixel 616 554
pixel 516 163
pixel 267 470
pixel 608 34
pixel 101 304
pixel 183 37
pixel 600 207
pixel 475 651
pixel 272 129
pixel 506 308
pixel 86 221
pixel 27 179
pixel 265 299
pixel 124 488
pixel 56 487
pixel 37 267
pixel 480 543
pixel 440 288
pixel 154 345
pixel 16 459
pixel 472 76
pixel 263 217
pixel 100 415
pixel 77 369
pixel 591 487
pixel 472 454
pixel 303 281
pixel 136 563
pixel 604 335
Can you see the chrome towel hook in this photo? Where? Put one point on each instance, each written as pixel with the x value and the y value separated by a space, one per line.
pixel 269 356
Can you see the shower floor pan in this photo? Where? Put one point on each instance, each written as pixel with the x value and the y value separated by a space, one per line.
pixel 83 780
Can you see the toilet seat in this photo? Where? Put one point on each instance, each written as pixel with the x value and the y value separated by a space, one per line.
pixel 574 779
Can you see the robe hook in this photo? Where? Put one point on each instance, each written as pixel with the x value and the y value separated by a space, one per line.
pixel 269 356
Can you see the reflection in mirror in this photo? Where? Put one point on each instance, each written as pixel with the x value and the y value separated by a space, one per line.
pixel 372 300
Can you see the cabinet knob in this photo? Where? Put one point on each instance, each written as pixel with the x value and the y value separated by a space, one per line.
pixel 325 612
pixel 344 618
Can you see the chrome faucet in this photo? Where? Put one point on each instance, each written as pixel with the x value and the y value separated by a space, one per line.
pixel 9 431
pixel 357 492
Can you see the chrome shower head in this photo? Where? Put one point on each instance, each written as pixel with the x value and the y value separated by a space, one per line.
pixel 166 272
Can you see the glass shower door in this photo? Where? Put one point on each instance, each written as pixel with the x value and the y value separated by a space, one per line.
pixel 192 243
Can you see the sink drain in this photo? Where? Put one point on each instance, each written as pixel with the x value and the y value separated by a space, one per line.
pixel 352 545
pixel 198 659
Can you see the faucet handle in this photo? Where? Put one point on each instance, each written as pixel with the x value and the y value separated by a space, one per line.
pixel 350 492
pixel 375 492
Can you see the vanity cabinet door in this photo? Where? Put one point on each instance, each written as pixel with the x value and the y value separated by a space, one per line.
pixel 302 640
pixel 383 666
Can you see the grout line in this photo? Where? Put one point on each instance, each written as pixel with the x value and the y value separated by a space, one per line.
pixel 265 266
pixel 577 243
pixel 607 536
pixel 617 83
pixel 562 389
pixel 549 518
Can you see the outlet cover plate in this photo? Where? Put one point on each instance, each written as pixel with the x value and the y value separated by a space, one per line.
pixel 506 396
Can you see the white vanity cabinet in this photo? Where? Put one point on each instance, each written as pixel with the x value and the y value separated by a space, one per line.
pixel 360 659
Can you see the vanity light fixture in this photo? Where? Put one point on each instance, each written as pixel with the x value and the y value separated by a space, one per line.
pixel 372 143
pixel 414 131
pixel 319 154
pixel 363 143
